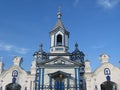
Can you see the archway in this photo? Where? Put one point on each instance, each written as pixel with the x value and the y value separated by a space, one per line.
pixel 59 40
pixel 13 86
pixel 59 80
pixel 108 85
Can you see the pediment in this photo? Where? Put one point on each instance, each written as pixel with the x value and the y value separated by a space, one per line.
pixel 60 61
pixel 63 30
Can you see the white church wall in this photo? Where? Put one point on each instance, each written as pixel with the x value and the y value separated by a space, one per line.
pixel 66 40
pixel 98 77
pixel 22 79
pixel 52 40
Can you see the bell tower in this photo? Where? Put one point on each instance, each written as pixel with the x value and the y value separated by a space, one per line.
pixel 59 37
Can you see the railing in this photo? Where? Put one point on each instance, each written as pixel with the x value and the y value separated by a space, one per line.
pixel 53 87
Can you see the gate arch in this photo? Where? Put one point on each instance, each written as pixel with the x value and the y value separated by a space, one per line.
pixel 108 85
pixel 13 86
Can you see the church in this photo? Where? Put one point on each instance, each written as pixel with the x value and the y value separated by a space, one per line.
pixel 60 69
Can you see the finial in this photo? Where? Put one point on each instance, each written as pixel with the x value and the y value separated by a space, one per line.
pixel 59 13
pixel 41 45
pixel 59 9
pixel 76 45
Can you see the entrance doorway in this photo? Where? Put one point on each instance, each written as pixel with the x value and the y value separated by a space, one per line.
pixel 59 84
pixel 108 85
pixel 59 80
pixel 13 86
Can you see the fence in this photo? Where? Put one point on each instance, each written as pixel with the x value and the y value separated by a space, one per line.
pixel 65 87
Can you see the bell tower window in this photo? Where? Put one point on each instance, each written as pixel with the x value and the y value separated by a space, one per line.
pixel 59 40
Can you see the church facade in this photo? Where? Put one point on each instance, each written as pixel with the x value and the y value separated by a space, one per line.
pixel 60 69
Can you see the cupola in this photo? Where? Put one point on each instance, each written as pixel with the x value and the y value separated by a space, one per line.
pixel 59 37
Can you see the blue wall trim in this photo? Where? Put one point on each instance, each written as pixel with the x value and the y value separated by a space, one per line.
pixel 76 78
pixel 68 82
pixel 64 40
pixel 54 40
pixel 79 77
pixel 39 77
pixel 42 78
pixel 50 82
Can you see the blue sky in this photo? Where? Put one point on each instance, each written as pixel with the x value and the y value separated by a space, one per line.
pixel 94 24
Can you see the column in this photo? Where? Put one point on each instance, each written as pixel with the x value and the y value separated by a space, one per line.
pixel 79 78
pixel 39 77
pixel 42 78
pixel 75 78
pixel 68 82
pixel 50 82
pixel 32 85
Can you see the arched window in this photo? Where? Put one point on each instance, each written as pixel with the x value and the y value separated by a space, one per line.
pixel 59 40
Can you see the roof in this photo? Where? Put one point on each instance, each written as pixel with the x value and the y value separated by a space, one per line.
pixel 59 73
pixel 59 24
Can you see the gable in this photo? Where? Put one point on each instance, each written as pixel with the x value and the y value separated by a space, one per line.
pixel 59 29
pixel 60 61
pixel 14 68
pixel 109 67
pixel 59 32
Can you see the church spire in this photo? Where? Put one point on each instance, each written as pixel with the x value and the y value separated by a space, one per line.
pixel 59 21
pixel 41 46
pixel 59 36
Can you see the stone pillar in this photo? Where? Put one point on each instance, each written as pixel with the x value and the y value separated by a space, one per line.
pixel 88 85
pixel 88 74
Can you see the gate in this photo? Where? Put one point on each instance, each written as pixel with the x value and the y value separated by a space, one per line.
pixel 13 86
pixel 59 85
pixel 108 85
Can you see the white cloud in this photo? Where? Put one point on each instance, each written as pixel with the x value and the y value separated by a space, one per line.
pixel 5 47
pixel 76 2
pixel 98 46
pixel 13 48
pixel 21 50
pixel 108 3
